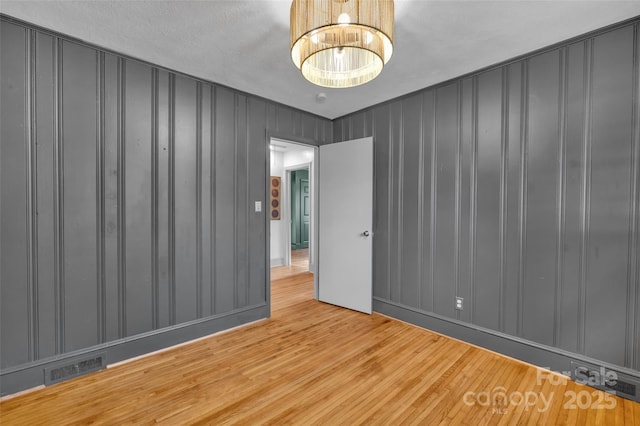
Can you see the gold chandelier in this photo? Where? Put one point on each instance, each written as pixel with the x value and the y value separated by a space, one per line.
pixel 341 43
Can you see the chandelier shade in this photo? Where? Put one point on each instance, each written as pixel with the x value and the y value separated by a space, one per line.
pixel 341 43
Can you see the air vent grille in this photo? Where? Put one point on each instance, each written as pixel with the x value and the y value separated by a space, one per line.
pixel 74 369
pixel 622 387
pixel 605 379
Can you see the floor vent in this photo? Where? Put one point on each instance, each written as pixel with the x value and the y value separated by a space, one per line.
pixel 623 385
pixel 74 369
pixel 624 388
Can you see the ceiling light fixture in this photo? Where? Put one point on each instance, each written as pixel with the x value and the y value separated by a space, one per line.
pixel 341 43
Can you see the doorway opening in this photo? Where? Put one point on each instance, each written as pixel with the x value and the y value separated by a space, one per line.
pixel 342 181
pixel 300 215
pixel 293 231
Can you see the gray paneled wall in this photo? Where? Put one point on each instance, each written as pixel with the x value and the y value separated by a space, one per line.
pixel 127 196
pixel 517 188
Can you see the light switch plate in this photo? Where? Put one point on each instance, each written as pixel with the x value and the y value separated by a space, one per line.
pixel 258 206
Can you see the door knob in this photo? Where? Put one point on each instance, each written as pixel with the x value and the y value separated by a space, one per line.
pixel 365 233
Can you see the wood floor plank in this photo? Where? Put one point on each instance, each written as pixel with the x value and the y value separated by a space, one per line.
pixel 311 363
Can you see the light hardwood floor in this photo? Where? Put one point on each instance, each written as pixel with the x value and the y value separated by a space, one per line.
pixel 313 363
pixel 299 264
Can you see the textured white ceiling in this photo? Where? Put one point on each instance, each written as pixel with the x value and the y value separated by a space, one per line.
pixel 245 44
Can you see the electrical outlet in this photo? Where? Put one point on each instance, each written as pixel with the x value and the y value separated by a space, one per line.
pixel 459 303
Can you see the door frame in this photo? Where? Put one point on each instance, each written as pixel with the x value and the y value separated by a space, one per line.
pixel 313 184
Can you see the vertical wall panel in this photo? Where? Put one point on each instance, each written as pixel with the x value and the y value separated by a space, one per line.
pixel 296 128
pixel 428 196
pixel 542 186
pixel 458 193
pixel 633 315
pixel 513 190
pixel 225 200
pixel 357 126
pixel 410 198
pixel 487 257
pixel 307 125
pixel 137 198
pixel 154 193
pixel 100 199
pixel 445 238
pixel 110 121
pixel 336 128
pixel 368 122
pixel 272 119
pixel 241 203
pixel 14 328
pixel 338 124
pixel 611 138
pixel 323 131
pixel 121 240
pixel 473 195
pixel 164 209
pixel 574 166
pixel 206 122
pixel 32 199
pixel 561 193
pixel 464 195
pixel 257 172
pixel 328 131
pixel 396 157
pixel 382 179
pixel 79 198
pixel 285 120
pixel 185 179
pixel 319 131
pixel 198 207
pixel 44 135
pixel 345 128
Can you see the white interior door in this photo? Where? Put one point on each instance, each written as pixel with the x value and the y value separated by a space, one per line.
pixel 344 224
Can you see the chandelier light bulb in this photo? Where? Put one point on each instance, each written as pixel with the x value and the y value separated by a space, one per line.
pixel 344 18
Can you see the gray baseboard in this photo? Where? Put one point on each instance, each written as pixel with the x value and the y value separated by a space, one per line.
pixel 31 375
pixel 543 356
pixel 279 261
